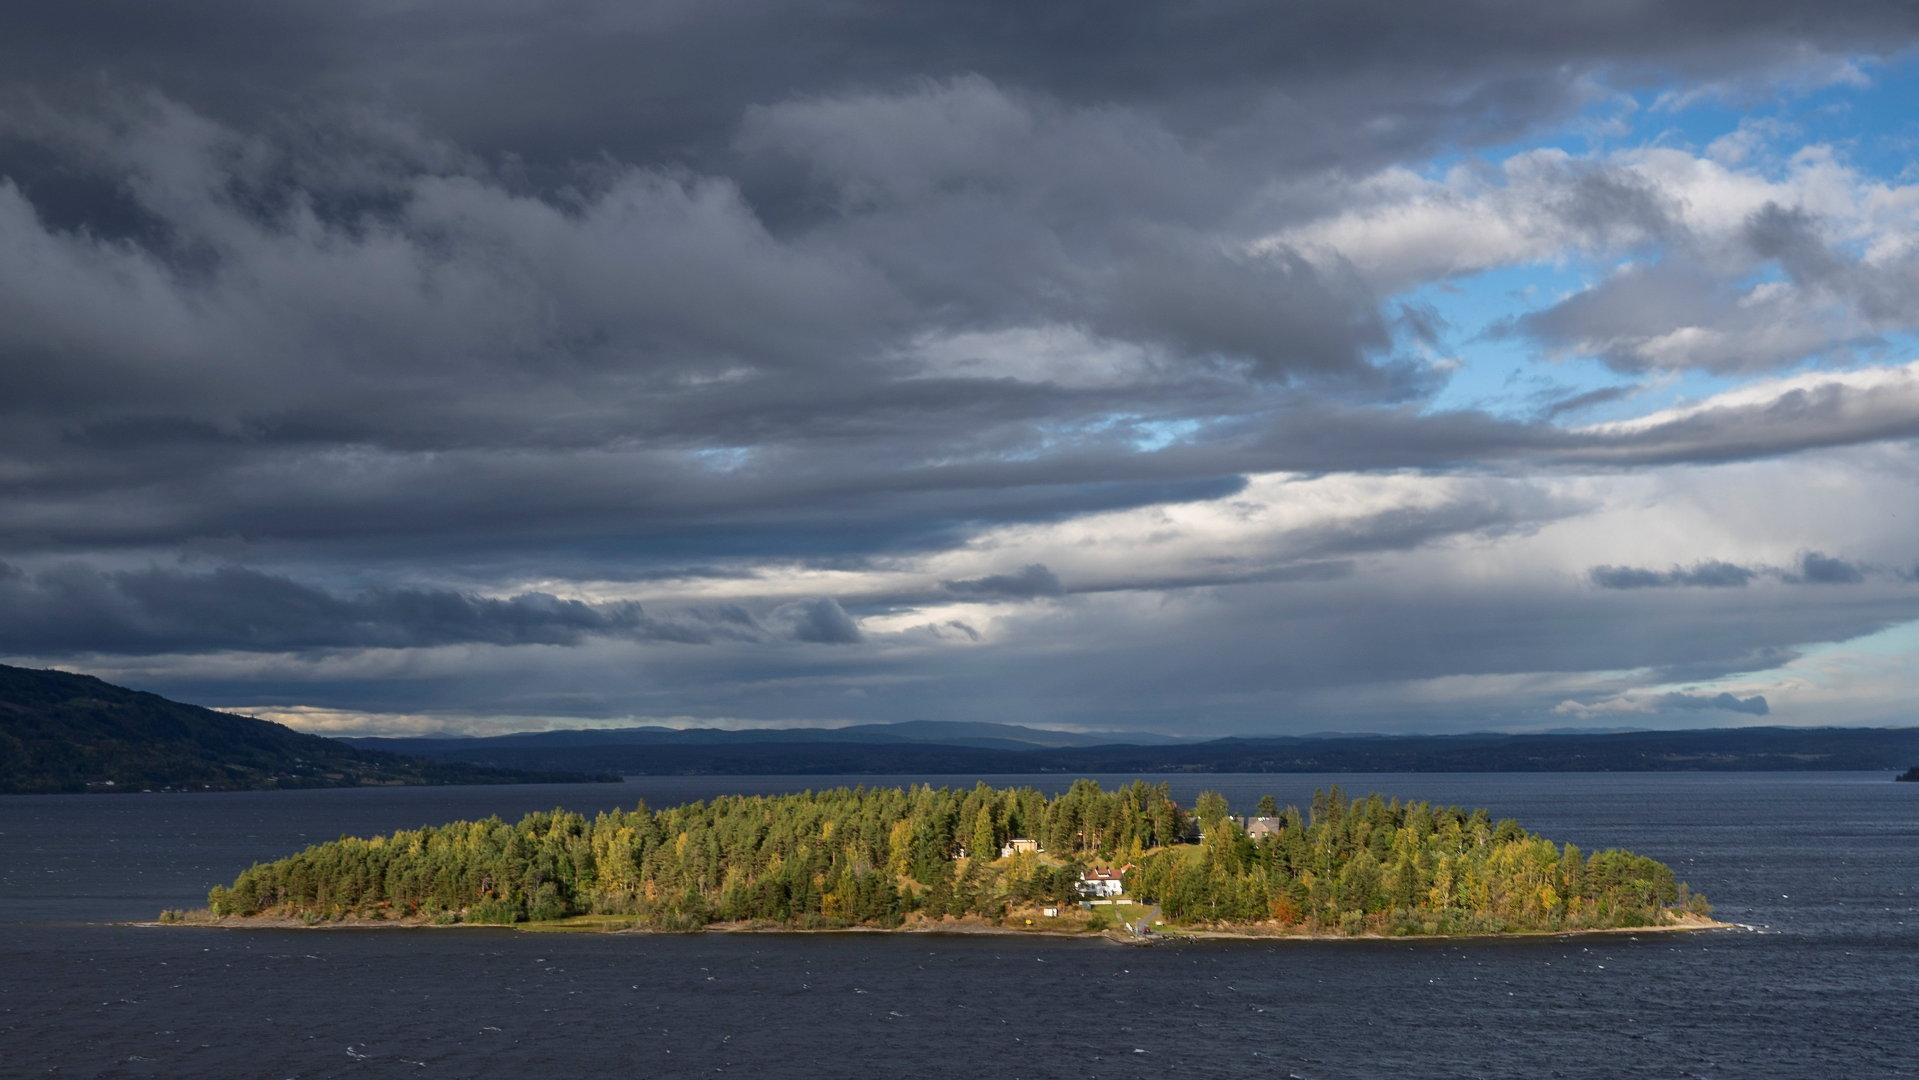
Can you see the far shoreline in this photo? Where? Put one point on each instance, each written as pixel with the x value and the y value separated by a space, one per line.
pixel 952 928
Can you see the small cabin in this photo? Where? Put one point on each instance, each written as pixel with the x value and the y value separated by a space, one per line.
pixel 1018 846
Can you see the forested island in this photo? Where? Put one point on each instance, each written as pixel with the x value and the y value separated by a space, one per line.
pixel 984 859
pixel 1911 775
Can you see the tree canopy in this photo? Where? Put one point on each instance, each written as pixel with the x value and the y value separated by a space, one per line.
pixel 880 856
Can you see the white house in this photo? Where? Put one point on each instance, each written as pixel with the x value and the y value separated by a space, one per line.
pixel 1102 882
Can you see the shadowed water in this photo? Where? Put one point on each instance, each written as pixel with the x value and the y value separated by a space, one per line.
pixel 1824 866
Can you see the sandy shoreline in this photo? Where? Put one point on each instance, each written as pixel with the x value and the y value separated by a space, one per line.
pixel 1684 924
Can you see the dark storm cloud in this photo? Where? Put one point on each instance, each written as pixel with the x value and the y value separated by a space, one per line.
pixel 73 608
pixel 1818 568
pixel 1712 574
pixel 822 622
pixel 668 80
pixel 330 330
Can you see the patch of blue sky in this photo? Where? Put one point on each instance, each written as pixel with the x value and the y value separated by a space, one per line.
pixel 1901 348
pixel 1508 375
pixel 1150 435
pixel 1900 640
pixel 1498 371
pixel 1874 126
pixel 1826 663
pixel 1145 435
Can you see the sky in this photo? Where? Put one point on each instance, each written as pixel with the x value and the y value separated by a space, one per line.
pixel 1211 368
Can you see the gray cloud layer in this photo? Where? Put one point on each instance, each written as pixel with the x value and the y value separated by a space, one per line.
pixel 353 317
pixel 75 608
pixel 1710 574
pixel 1027 582
pixel 1813 568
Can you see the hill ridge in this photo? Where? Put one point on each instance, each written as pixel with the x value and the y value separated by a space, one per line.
pixel 66 732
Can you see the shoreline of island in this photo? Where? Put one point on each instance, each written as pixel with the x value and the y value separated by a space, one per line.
pixel 1684 923
pixel 1131 864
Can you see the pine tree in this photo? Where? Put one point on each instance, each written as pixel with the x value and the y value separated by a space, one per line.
pixel 985 845
pixel 1210 808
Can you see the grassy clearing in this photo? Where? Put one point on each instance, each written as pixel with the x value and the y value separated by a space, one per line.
pixel 582 924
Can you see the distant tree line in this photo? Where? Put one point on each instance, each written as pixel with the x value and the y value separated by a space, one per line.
pixel 877 856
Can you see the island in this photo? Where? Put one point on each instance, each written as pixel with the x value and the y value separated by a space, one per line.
pixel 1129 861
pixel 1910 775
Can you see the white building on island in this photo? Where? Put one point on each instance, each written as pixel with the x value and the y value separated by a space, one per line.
pixel 1103 883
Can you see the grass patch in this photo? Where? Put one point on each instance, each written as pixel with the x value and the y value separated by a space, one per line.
pixel 582 924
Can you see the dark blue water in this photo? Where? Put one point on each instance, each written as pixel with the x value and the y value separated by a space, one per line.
pixel 1824 866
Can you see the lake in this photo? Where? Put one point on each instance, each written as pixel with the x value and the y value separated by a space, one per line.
pixel 1823 867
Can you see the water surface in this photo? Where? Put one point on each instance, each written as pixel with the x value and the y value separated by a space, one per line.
pixel 1824 866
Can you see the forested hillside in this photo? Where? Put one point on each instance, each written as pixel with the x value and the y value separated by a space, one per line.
pixel 881 856
pixel 66 732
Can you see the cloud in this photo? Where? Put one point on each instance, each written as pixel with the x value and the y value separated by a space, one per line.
pixel 1732 267
pixel 1402 228
pixel 1029 581
pixel 1675 701
pixel 1822 408
pixel 1812 568
pixel 382 344
pixel 1818 568
pixel 1583 400
pixel 413 362
pixel 821 622
pixel 1711 574
pixel 74 608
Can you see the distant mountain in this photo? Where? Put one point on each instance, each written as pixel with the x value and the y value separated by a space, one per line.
pixel 63 732
pixel 947 733
pixel 1003 736
pixel 887 749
